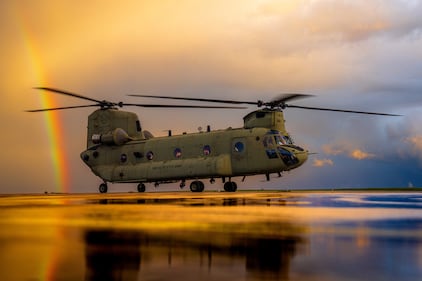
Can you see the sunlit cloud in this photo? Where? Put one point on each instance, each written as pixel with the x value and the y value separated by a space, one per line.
pixel 332 149
pixel 348 150
pixel 415 145
pixel 407 137
pixel 322 162
pixel 361 155
pixel 416 142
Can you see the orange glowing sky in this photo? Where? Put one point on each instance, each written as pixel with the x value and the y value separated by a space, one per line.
pixel 363 55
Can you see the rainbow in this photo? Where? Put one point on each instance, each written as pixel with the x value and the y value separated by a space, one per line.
pixel 48 266
pixel 52 118
pixel 56 139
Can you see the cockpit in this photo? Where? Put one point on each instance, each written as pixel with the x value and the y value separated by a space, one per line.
pixel 278 145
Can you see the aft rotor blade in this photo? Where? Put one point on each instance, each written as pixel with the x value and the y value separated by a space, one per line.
pixel 341 110
pixel 196 99
pixel 61 108
pixel 57 91
pixel 180 106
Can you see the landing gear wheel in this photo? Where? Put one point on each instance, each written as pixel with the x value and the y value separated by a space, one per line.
pixel 103 188
pixel 230 186
pixel 197 186
pixel 141 187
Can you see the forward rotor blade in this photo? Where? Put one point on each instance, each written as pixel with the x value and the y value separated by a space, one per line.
pixel 57 91
pixel 341 110
pixel 180 106
pixel 61 108
pixel 274 103
pixel 196 99
pixel 283 98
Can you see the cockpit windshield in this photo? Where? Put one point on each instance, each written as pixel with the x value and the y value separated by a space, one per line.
pixel 274 137
pixel 280 140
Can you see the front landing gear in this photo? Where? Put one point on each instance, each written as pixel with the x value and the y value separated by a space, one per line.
pixel 230 186
pixel 103 188
pixel 197 186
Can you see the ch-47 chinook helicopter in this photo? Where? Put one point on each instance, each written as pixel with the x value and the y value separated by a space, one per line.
pixel 120 151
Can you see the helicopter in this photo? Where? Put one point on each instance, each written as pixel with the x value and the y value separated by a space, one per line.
pixel 119 150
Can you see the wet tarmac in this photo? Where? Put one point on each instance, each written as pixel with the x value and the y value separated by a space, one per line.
pixel 212 236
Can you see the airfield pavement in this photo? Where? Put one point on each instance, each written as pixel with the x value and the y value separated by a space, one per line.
pixel 212 236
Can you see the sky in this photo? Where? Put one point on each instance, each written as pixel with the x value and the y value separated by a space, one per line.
pixel 357 55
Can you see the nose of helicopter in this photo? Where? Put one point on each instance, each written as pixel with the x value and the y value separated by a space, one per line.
pixel 302 156
pixel 299 154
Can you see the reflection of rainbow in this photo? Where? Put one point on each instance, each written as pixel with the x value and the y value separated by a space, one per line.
pixel 52 118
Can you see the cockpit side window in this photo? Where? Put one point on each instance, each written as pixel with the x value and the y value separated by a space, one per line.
pixel 268 141
pixel 279 140
pixel 287 140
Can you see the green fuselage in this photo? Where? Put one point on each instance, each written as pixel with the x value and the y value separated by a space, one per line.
pixel 120 151
pixel 222 153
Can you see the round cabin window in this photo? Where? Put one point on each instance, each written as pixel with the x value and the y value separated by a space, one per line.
pixel 177 153
pixel 150 155
pixel 207 150
pixel 239 147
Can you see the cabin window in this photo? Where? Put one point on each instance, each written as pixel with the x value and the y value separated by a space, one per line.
pixel 150 155
pixel 177 153
pixel 138 126
pixel 260 114
pixel 123 158
pixel 239 146
pixel 207 150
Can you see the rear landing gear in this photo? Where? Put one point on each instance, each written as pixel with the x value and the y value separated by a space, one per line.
pixel 197 186
pixel 230 186
pixel 103 188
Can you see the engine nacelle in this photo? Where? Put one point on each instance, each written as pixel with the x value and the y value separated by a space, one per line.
pixel 116 137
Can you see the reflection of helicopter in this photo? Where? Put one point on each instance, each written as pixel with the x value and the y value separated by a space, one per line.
pixel 261 249
pixel 118 150
pixel 112 254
